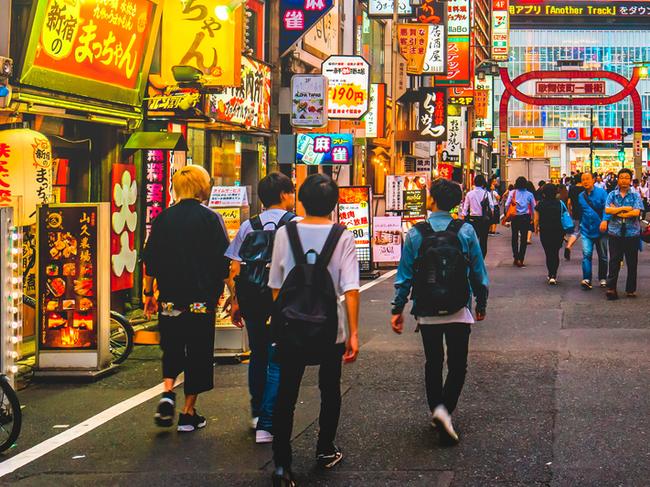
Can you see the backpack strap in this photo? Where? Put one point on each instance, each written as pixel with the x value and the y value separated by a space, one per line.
pixel 330 244
pixel 296 245
pixel 455 226
pixel 256 223
pixel 286 218
pixel 424 228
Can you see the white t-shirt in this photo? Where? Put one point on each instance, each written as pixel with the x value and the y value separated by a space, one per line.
pixel 462 316
pixel 343 267
pixel 268 216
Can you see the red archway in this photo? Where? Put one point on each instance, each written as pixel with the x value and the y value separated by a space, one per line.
pixel 629 89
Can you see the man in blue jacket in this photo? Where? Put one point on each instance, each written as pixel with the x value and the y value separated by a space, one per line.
pixel 592 207
pixel 454 328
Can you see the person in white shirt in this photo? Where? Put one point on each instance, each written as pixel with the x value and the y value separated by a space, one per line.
pixel 476 202
pixel 319 196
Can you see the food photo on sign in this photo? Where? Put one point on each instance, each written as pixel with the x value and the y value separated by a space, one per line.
pixel 308 100
pixel 387 239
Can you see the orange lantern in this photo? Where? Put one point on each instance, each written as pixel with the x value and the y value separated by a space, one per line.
pixel 25 172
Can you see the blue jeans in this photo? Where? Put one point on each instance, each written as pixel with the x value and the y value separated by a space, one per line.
pixel 588 245
pixel 270 392
pixel 258 341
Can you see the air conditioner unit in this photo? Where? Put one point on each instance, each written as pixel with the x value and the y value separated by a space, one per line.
pixel 6 67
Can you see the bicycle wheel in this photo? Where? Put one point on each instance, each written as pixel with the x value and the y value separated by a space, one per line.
pixel 121 342
pixel 10 415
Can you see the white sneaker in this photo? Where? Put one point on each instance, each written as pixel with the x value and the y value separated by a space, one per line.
pixel 586 284
pixel 254 423
pixel 552 281
pixel 442 420
pixel 603 283
pixel 262 436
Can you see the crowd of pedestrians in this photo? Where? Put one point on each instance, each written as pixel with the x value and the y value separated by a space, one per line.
pixel 295 286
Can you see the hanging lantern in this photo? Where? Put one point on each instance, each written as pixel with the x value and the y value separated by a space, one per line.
pixel 25 172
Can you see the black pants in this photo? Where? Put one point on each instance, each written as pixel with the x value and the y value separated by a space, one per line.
pixel 520 229
pixel 620 247
pixel 329 383
pixel 481 227
pixel 456 337
pixel 259 339
pixel 187 343
pixel 552 243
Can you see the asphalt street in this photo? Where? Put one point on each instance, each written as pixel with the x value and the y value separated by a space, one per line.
pixel 556 395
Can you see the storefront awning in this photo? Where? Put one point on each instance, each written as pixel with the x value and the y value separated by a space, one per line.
pixel 156 140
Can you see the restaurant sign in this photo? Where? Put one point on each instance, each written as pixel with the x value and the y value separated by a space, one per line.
pixel 176 103
pixel 349 85
pixel 354 214
pixel 432 119
pixel 248 104
pixel 308 100
pixel 500 30
pixel 206 35
pixel 424 46
pixel 96 48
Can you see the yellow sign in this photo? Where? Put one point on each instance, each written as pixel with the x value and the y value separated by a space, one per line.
pixel 204 34
pixel 25 172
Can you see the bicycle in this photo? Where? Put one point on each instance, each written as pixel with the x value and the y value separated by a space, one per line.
pixel 10 414
pixel 121 334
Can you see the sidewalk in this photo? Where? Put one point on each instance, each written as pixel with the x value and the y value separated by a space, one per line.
pixel 556 395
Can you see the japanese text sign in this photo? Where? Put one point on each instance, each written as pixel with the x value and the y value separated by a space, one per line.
pixel 376 116
pixel 483 104
pixel 324 149
pixel 432 117
pixel 573 88
pixel 249 103
pixel 387 239
pixel 297 17
pixel 25 172
pixel 154 187
pixel 446 171
pixel 349 83
pixel 124 219
pixel 322 40
pixel 500 30
pixel 455 138
pixel 458 63
pixel 354 214
pixel 308 100
pixel 102 49
pixel 384 8
pixel 68 276
pixel 432 12
pixel 424 46
pixel 458 16
pixel 195 35
pixel 228 197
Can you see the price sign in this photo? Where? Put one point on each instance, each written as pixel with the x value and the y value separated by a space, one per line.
pixel 354 214
pixel 349 86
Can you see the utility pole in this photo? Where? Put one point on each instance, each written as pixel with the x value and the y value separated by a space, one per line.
pixel 591 140
pixel 623 141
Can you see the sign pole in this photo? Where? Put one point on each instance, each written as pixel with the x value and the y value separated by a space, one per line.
pixel 591 140
pixel 623 139
pixel 393 79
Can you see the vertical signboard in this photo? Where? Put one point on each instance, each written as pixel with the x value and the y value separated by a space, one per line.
pixel 455 138
pixel 308 100
pixel 297 17
pixel 322 40
pixel 387 239
pixel 68 277
pixel 432 114
pixel 458 63
pixel 348 86
pixel 500 30
pixel 458 16
pixel 206 35
pixel 483 104
pixel 354 213
pixel 154 187
pixel 124 219
pixel 376 117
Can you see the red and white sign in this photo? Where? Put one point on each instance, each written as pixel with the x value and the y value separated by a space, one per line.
pixel 573 88
pixel 500 30
pixel 348 86
pixel 600 134
pixel 124 219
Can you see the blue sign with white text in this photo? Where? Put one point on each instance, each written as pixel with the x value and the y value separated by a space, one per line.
pixel 297 17
pixel 324 149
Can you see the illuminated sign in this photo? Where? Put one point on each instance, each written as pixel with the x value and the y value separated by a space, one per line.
pixel 297 17
pixel 324 149
pixel 95 48
pixel 195 35
pixel 124 219
pixel 154 187
pixel 384 8
pixel 354 214
pixel 525 12
pixel 249 103
pixel 349 85
pixel 500 30
pixel 458 63
pixel 607 134
pixel 573 88
pixel 424 46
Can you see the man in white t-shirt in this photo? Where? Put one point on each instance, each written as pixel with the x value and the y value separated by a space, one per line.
pixel 277 193
pixel 319 196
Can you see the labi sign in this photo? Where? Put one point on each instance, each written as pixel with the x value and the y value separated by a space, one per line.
pixel 601 134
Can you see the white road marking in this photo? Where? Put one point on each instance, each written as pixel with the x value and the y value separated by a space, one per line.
pixel 20 460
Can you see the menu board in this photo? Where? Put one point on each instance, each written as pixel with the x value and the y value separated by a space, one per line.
pixel 415 204
pixel 67 277
pixel 397 184
pixel 387 239
pixel 354 214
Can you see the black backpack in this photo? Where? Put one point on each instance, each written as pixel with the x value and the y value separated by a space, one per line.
pixel 486 208
pixel 305 320
pixel 440 284
pixel 253 293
